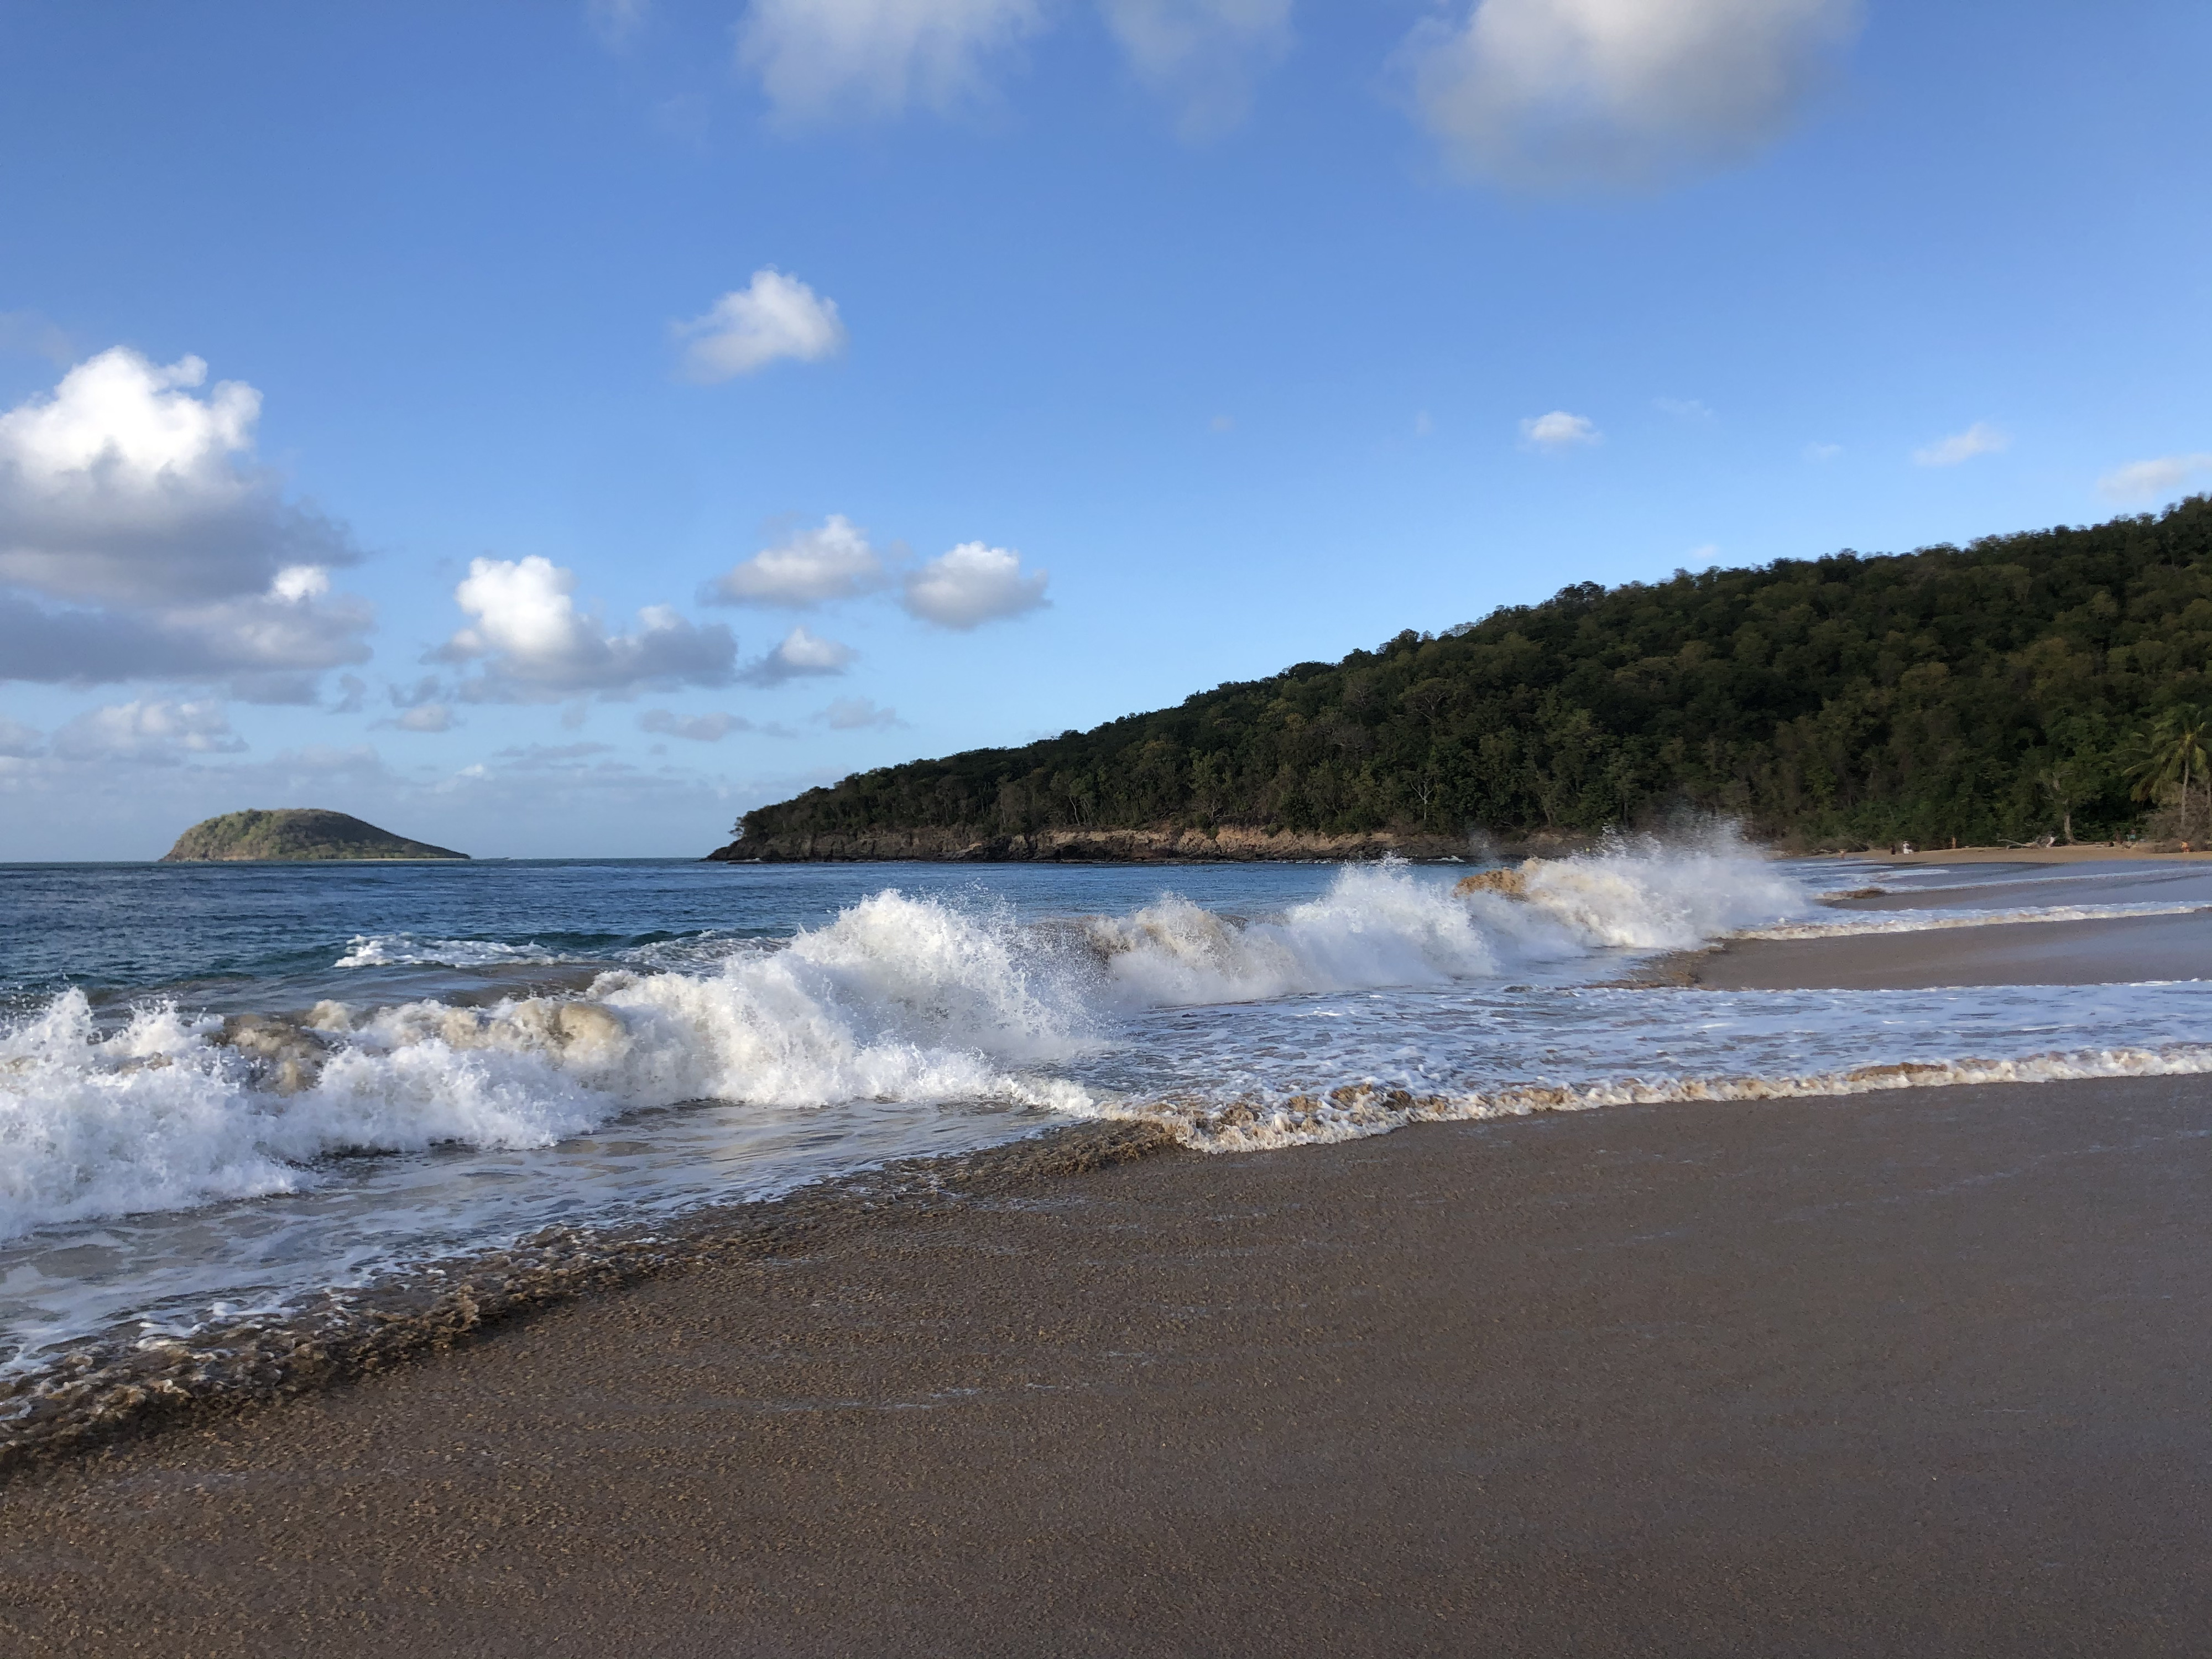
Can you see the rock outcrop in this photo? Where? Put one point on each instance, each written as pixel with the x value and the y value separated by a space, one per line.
pixel 1224 844
pixel 294 834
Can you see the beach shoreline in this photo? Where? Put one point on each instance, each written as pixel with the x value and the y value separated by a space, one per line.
pixel 1917 1373
pixel 2077 854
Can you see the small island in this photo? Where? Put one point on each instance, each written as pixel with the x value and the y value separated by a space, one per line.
pixel 294 834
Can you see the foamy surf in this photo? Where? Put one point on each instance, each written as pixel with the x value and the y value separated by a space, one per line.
pixel 1353 1111
pixel 900 998
pixel 897 1024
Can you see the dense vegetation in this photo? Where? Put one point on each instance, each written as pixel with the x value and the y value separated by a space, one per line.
pixel 2014 688
pixel 295 833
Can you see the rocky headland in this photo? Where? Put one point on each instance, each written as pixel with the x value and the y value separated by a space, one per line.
pixel 294 834
pixel 1169 844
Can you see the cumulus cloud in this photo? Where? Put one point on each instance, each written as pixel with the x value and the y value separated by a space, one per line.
pixel 1564 93
pixel 812 567
pixel 1560 430
pixel 127 498
pixel 161 732
pixel 856 714
pixel 1205 56
pixel 704 728
pixel 749 328
pixel 819 60
pixel 801 654
pixel 2140 481
pixel 1979 438
pixel 537 647
pixel 1683 409
pixel 971 585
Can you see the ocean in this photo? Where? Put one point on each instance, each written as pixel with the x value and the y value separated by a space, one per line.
pixel 227 1088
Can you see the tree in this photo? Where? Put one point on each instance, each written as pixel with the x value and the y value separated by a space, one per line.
pixel 1982 691
pixel 2173 752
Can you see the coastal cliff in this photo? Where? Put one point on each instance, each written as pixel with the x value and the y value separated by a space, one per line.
pixel 1226 844
pixel 294 835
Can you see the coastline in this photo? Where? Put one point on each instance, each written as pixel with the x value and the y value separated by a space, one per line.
pixel 1224 844
pixel 2117 951
pixel 1913 1371
pixel 111 1388
pixel 1597 1382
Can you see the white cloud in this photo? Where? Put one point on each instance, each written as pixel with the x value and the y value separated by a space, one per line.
pixel 424 717
pixel 2146 480
pixel 1204 55
pixel 812 567
pixel 1823 453
pixel 971 585
pixel 801 655
pixel 162 732
pixel 129 499
pixel 537 647
pixel 857 713
pixel 1560 430
pixel 1979 438
pixel 705 728
pixel 749 328
pixel 1683 409
pixel 820 59
pixel 1573 92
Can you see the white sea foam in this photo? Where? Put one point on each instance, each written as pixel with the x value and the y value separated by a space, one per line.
pixel 1351 1113
pixel 900 998
pixel 914 999
pixel 410 951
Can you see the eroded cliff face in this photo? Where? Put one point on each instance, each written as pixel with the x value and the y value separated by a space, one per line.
pixel 1227 843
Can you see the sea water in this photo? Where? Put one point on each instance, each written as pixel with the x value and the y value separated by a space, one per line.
pixel 224 1088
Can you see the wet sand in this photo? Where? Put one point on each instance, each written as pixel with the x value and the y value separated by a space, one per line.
pixel 2126 950
pixel 1915 1374
pixel 2076 854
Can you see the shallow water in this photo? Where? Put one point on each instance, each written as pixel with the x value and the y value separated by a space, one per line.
pixel 451 1055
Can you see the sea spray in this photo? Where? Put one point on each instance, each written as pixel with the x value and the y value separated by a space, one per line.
pixel 900 998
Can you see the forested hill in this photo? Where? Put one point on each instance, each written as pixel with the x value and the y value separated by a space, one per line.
pixel 1986 692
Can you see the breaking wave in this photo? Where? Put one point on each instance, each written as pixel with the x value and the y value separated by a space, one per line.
pixel 898 999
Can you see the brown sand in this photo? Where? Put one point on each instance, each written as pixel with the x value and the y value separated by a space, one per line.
pixel 2125 951
pixel 1917 1374
pixel 2076 855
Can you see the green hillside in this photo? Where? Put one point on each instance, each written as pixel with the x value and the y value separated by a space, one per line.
pixel 1988 692
pixel 298 833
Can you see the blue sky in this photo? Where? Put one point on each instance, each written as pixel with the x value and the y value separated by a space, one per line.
pixel 1062 359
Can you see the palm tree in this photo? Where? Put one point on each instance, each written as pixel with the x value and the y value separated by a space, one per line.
pixel 2172 751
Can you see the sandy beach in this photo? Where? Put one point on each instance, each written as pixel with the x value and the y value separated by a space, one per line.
pixel 2101 953
pixel 1914 1373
